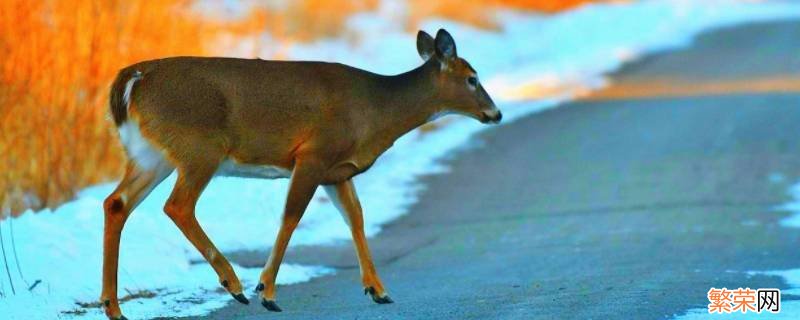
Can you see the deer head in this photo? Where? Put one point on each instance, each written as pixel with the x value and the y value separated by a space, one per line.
pixel 456 82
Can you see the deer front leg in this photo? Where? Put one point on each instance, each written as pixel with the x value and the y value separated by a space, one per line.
pixel 305 180
pixel 344 197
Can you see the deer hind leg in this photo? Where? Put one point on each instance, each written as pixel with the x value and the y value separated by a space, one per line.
pixel 134 187
pixel 344 197
pixel 180 207
pixel 301 188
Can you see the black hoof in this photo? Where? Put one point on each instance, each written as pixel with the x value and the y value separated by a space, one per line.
pixel 383 300
pixel 270 305
pixel 120 318
pixel 260 287
pixel 378 299
pixel 241 298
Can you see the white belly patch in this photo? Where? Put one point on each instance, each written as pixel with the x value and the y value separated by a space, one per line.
pixel 230 168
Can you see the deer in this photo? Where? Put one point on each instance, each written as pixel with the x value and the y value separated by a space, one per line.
pixel 317 123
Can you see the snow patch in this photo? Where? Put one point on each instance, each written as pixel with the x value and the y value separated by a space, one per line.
pixel 790 309
pixel 793 220
pixel 534 63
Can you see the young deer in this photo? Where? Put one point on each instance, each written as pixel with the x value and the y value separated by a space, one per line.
pixel 318 123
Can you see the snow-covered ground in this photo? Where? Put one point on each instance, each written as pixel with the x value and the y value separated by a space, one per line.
pixel 534 62
pixel 790 310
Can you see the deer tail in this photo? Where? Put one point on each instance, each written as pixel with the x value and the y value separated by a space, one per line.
pixel 120 95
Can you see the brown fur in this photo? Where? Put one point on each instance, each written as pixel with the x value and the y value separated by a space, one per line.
pixel 250 109
pixel 116 99
pixel 326 122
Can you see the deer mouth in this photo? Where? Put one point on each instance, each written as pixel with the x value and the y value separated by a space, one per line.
pixel 491 117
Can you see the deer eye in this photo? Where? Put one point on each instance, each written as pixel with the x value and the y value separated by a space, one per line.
pixel 473 81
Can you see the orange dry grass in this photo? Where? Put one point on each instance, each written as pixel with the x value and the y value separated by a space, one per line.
pixel 58 58
pixel 479 12
pixel 311 19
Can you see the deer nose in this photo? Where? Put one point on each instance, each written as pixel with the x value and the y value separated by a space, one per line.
pixel 493 116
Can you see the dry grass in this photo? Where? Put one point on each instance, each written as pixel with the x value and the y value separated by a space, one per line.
pixel 58 58
pixel 131 295
pixel 479 12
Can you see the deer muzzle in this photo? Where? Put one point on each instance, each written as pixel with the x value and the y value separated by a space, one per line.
pixel 492 116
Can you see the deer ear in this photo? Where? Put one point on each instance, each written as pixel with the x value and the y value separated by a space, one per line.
pixel 425 45
pixel 445 46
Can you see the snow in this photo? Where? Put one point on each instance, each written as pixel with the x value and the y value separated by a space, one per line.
pixel 535 62
pixel 64 250
pixel 790 309
pixel 792 221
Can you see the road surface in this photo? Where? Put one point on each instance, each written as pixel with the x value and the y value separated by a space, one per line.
pixel 630 203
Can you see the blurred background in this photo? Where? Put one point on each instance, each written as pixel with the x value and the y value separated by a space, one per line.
pixel 648 152
pixel 60 56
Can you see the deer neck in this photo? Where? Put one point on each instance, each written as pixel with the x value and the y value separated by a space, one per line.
pixel 408 100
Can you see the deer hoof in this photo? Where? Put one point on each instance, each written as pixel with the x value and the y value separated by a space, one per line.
pixel 241 298
pixel 120 318
pixel 270 305
pixel 382 300
pixel 375 297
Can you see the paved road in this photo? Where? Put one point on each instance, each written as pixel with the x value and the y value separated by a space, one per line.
pixel 617 206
